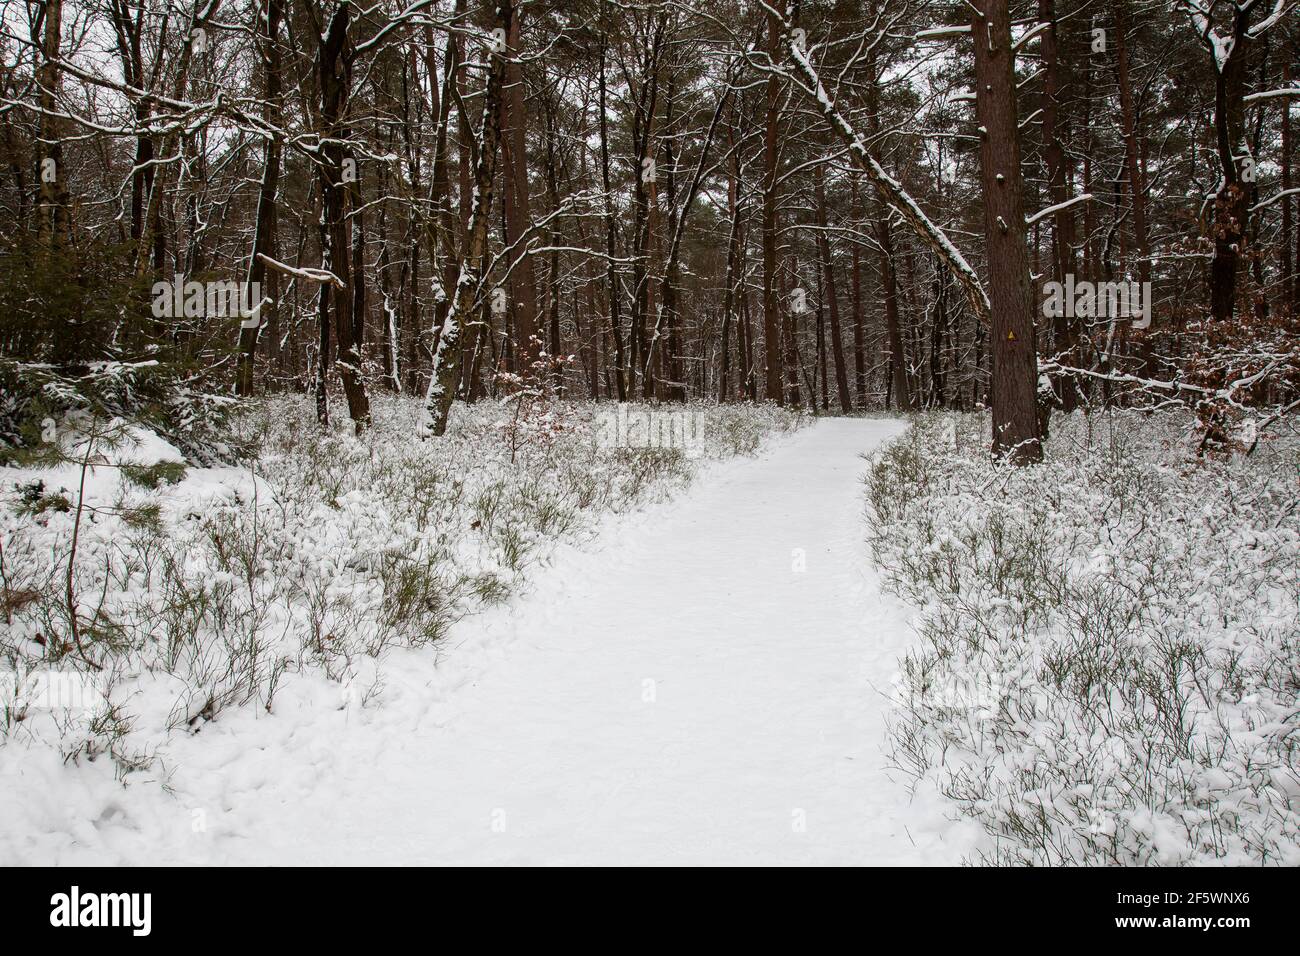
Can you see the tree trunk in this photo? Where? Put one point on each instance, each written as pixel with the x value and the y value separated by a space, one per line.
pixel 1016 433
pixel 53 222
pixel 1058 189
pixel 518 212
pixel 448 356
pixel 859 344
pixel 643 180
pixel 837 339
pixel 771 316
pixel 733 257
pixel 1230 209
pixel 554 241
pixel 611 272
pixel 264 228
pixel 1288 263
pixel 335 74
pixel 893 326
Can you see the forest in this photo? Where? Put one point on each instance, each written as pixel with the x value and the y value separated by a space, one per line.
pixel 650 431
pixel 659 201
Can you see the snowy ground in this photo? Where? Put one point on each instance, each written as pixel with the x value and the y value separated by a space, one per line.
pixel 706 682
pixel 1109 665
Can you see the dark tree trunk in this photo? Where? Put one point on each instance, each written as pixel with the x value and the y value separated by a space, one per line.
pixel 518 212
pixel 1015 411
pixel 893 325
pixel 53 224
pixel 859 343
pixel 1288 263
pixel 335 75
pixel 1058 189
pixel 733 258
pixel 832 301
pixel 611 272
pixel 1230 206
pixel 264 228
pixel 771 316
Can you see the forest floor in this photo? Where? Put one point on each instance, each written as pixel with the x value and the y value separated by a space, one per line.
pixel 707 681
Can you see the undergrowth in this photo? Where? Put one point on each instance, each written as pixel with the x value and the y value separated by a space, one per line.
pixel 319 551
pixel 1109 663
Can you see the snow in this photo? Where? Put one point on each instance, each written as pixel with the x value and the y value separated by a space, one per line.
pixel 893 190
pixel 1287 92
pixel 1110 639
pixel 705 681
pixel 1053 210
pixel 1280 9
pixel 940 33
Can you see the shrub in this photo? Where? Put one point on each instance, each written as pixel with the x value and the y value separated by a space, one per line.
pixel 152 476
pixel 1110 641
pixel 326 551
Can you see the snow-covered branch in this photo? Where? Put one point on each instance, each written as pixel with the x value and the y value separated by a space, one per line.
pixel 308 274
pixel 890 189
pixel 1052 210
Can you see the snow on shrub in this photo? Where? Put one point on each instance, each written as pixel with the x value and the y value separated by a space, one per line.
pixel 197 589
pixel 1109 670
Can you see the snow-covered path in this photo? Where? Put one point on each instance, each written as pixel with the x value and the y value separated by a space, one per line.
pixel 681 693
pixel 705 683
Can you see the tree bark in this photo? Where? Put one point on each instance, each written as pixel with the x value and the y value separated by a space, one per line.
pixel 448 356
pixel 771 160
pixel 1230 208
pixel 267 198
pixel 335 74
pixel 832 301
pixel 859 343
pixel 1058 189
pixel 1288 262
pixel 518 211
pixel 611 272
pixel 53 221
pixel 733 259
pixel 1016 433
